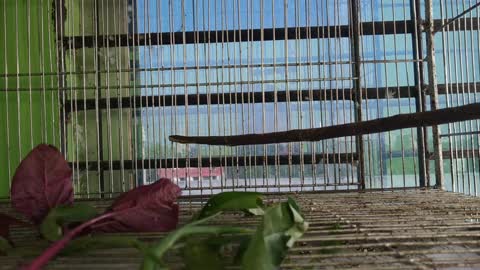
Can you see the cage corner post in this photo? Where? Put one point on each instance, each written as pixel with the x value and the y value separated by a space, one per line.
pixel 420 97
pixel 357 86
pixel 433 92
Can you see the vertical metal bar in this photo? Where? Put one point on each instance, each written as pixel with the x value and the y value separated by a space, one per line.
pixel 44 135
pixel 418 79
pixel 84 81
pixel 51 48
pixel 6 113
pixel 387 153
pixel 59 27
pixel 356 67
pixel 287 91
pixel 210 121
pixel 106 61
pixel 185 89
pixel 73 94
pixel 43 112
pixel 118 64
pixel 29 58
pixel 136 113
pixel 311 108
pixel 18 95
pixel 275 102
pixel 131 122
pixel 98 96
pixel 230 87
pixel 322 74
pixel 447 74
pixel 147 91
pixel 264 107
pixel 433 91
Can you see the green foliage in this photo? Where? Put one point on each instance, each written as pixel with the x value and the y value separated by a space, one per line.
pixel 157 251
pixel 51 227
pixel 230 201
pixel 88 243
pixel 203 246
pixel 196 251
pixel 281 226
pixel 219 250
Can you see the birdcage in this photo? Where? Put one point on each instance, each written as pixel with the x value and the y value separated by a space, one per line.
pixel 364 111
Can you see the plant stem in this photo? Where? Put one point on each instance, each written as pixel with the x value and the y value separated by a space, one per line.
pixel 56 247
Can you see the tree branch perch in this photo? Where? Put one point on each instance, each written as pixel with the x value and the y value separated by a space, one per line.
pixel 400 121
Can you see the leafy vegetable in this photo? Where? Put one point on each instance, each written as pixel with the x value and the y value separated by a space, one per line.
pixel 203 254
pixel 56 247
pixel 5 222
pixel 149 208
pixel 51 227
pixel 156 252
pixel 146 208
pixel 88 243
pixel 281 226
pixel 248 201
pixel 212 252
pixel 42 181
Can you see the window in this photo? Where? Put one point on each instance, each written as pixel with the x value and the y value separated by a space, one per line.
pixel 144 70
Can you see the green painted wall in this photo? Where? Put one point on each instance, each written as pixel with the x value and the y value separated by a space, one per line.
pixel 27 45
pixel 82 129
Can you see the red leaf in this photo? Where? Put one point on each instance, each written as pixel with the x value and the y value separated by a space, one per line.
pixel 149 208
pixel 43 180
pixel 5 222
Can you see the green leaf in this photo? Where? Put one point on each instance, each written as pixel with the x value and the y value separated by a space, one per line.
pixel 242 247
pixel 88 243
pixel 51 227
pixel 281 226
pixel 157 251
pixel 32 250
pixel 202 255
pixel 230 201
pixel 212 252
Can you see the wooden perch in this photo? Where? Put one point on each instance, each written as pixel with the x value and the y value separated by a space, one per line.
pixel 400 121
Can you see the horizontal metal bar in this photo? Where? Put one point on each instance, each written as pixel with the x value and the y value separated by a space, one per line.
pixel 232 98
pixel 199 37
pixel 255 97
pixel 312 63
pixel 456 154
pixel 192 199
pixel 467 24
pixel 241 185
pixel 431 156
pixel 452 20
pixel 191 37
pixel 460 134
pixel 331 158
pixel 176 85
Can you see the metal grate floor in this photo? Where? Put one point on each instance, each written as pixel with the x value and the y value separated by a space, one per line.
pixel 407 229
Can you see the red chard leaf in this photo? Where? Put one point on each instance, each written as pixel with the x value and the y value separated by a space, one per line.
pixel 42 181
pixel 149 208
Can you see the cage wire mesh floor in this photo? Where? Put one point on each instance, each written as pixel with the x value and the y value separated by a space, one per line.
pixel 394 229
